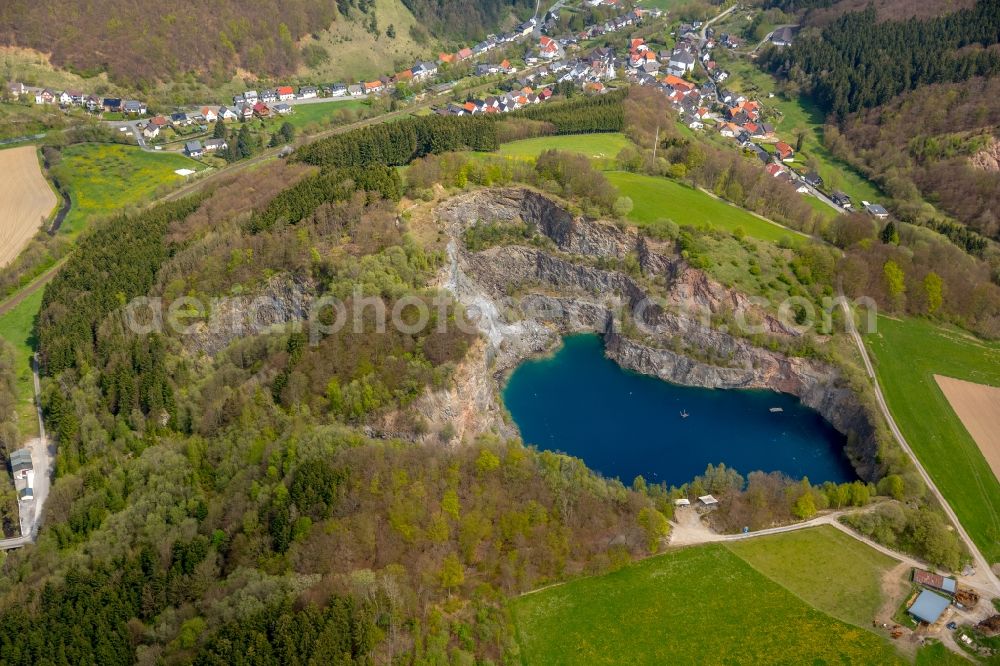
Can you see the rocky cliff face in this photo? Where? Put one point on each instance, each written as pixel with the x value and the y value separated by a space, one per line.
pixel 566 292
pixel 282 300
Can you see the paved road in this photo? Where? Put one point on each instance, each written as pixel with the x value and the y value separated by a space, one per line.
pixel 984 572
pixel 715 18
pixel 43 453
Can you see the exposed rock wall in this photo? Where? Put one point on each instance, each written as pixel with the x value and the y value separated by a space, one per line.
pixel 557 294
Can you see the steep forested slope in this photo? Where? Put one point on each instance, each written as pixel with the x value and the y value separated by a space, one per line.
pixel 936 140
pixel 139 44
pixel 857 62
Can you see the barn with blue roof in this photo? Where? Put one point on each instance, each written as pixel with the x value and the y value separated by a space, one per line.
pixel 929 606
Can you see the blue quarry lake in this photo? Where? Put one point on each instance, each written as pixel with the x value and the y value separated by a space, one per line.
pixel 623 424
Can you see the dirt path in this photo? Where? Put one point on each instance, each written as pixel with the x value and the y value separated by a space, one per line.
pixel 25 200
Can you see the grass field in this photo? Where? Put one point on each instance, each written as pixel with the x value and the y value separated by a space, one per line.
pixel 700 605
pixel 321 112
pixel 908 354
pixel 594 146
pixel 659 198
pixel 105 178
pixel 813 563
pixel 17 327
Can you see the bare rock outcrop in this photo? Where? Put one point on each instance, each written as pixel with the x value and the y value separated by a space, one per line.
pixel 525 298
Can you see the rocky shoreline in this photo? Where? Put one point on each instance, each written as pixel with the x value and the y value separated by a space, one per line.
pixel 564 292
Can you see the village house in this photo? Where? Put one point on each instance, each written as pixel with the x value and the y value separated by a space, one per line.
pixel 180 119
pixel 112 104
pixel 774 170
pixel 876 210
pixel 784 151
pixel 151 131
pixel 282 109
pixel 783 36
pixel 548 48
pixel 813 179
pixel 269 96
pixel 261 110
pixel 423 71
pixel 251 97
pixel 215 145
pixel 227 114
pixel 134 107
pixel 246 112
pixel 681 62
pixel 194 148
pixel 373 87
pixel 209 115
pixel 841 199
pixel 308 92
pixel 285 93
pixel 463 54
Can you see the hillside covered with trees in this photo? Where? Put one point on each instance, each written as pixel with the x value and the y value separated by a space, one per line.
pixel 857 62
pixel 139 45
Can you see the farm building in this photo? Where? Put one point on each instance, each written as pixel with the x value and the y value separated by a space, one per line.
pixel 708 500
pixel 932 580
pixel 682 502
pixel 929 606
pixel 20 463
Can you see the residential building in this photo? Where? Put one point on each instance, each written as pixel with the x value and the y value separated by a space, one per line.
pixel 194 148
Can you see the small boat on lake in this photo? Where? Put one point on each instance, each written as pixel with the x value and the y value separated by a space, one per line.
pixel 776 409
pixel 684 414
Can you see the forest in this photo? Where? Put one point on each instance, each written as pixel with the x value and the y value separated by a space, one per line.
pixel 212 40
pixel 239 493
pixel 399 143
pixel 945 157
pixel 857 62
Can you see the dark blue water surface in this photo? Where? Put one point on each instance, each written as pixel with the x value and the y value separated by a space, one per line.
pixel 623 424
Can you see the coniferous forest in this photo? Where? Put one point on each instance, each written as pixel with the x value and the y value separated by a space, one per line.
pixel 858 62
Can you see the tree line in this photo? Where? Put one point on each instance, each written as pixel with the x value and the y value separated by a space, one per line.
pixel 580 114
pixel 303 198
pixel 399 143
pixel 116 262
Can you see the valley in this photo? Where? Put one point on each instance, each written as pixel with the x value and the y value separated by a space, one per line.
pixel 586 341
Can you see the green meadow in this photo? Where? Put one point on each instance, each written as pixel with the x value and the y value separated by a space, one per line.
pixel 320 113
pixel 698 605
pixel 594 146
pixel 104 178
pixel 17 328
pixel 806 562
pixel 907 354
pixel 656 199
